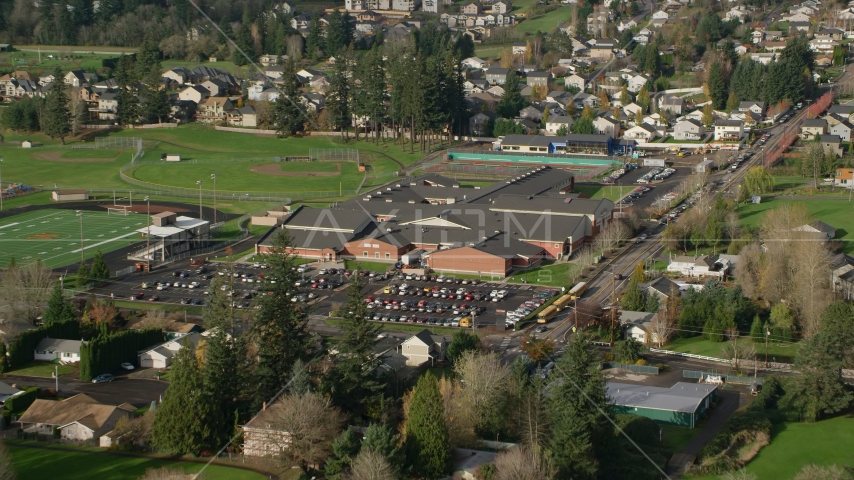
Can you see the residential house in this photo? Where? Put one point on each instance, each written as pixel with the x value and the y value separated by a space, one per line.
pixel 319 83
pixel 576 81
pixel 179 75
pixel 660 15
pixel 636 82
pixel 532 112
pixel 705 266
pixel 79 78
pixel 423 347
pixel 496 75
pixel 832 145
pixel 7 391
pixel 657 120
pixel 644 131
pixel 213 109
pixel 689 129
pixel 474 63
pixel 479 121
pixel 626 25
pixel 844 112
pixel 108 105
pixel 495 91
pixel 50 349
pixel 555 122
pixel 632 109
pixel 607 125
pixel 795 17
pixel 160 356
pixel 729 130
pixel 472 8
pixel 799 26
pixel 663 287
pixel 675 105
pixel 831 33
pixel 637 325
pixel 268 60
pixel 844 177
pixel 539 79
pixel 519 48
pixel 217 88
pixel 842 276
pixel 77 418
pixel 812 127
pixel 502 6
pixel 818 229
pixel 764 58
pixel 843 130
pixel 753 106
pixel 194 93
pixel 736 13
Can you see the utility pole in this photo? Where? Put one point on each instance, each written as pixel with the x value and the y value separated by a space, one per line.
pixel 199 183
pixel 1 185
pixel 82 255
pixel 613 304
pixel 148 237
pixel 767 334
pixel 213 177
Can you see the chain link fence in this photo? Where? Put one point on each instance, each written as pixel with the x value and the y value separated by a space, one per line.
pixel 333 155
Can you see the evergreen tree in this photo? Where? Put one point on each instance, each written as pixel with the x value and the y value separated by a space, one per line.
pixel 818 391
pixel 583 125
pixel 227 33
pixel 638 117
pixel 717 86
pixel 315 41
pixel 352 380
pixel 799 53
pixel 244 41
pixel 148 59
pixel 288 115
pixel 653 303
pixel 127 109
pixel 82 274
pixel 155 105
pixel 580 434
pixel 59 308
pixel 381 439
pixel 345 447
pixel 708 117
pixel 427 448
pixel 587 113
pixel 187 421
pixel 512 101
pixel 221 377
pixel 633 299
pixel 339 97
pixel 56 121
pixel 339 33
pixel 300 379
pixel 461 342
pixel 99 267
pixel 279 332
pixel 757 330
pixel 562 131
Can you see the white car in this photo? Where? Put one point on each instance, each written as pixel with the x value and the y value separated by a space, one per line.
pixel 128 366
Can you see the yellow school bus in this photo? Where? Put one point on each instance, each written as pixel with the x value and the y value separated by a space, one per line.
pixel 562 302
pixel 547 314
pixel 578 290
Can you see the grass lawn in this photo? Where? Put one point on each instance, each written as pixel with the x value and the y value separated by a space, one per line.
pixel 90 153
pixel 401 327
pixel 37 464
pixel 42 369
pixel 553 275
pixel 54 235
pixel 611 192
pixel 794 445
pixel 485 52
pixel 145 305
pixel 364 265
pixel 676 438
pixel 784 352
pixel 670 139
pixel 472 184
pixel 545 23
pixel 833 212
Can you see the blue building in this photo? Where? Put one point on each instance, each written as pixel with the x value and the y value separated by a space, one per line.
pixel 579 144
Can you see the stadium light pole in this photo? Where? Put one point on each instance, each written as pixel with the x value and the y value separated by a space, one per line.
pixel 1 184
pixel 199 183
pixel 148 237
pixel 82 254
pixel 213 177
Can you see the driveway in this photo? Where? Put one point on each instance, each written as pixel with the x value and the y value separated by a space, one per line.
pixel 137 392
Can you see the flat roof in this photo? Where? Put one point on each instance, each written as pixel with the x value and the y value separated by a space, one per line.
pixel 682 397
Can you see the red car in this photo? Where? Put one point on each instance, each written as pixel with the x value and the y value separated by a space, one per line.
pixel 370 299
pixel 153 298
pixel 137 296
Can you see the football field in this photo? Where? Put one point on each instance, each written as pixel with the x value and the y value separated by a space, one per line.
pixel 53 235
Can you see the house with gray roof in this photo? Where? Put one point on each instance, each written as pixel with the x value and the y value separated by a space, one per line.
pixel 50 349
pixel 682 404
pixel 423 347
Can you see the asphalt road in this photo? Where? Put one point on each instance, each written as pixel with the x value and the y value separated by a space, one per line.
pixel 138 392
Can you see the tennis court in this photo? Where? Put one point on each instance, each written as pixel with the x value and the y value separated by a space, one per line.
pixel 53 235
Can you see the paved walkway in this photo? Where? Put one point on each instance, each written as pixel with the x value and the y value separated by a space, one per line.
pixel 684 458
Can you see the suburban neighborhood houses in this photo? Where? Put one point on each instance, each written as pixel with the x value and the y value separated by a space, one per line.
pixel 395 239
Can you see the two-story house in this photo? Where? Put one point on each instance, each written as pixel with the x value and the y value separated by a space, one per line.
pixel 539 79
pixel 423 347
pixel 496 75
pixel 843 130
pixel 689 129
pixel 729 130
pixel 812 127
pixel 108 104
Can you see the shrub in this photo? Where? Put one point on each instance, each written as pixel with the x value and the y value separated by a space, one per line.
pixel 641 362
pixel 22 401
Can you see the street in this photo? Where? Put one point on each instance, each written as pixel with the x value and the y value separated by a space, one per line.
pixel 138 392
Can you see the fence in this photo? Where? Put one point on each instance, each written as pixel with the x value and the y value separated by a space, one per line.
pixel 157 125
pixel 727 378
pixel 334 155
pixel 691 355
pixel 647 369
pixel 117 142
pixel 258 131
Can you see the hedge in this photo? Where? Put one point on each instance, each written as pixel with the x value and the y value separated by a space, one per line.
pixel 21 348
pixel 22 401
pixel 106 353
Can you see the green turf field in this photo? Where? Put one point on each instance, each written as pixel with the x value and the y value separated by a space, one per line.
pixel 90 153
pixel 37 464
pixel 53 235
pixel 545 23
pixel 836 213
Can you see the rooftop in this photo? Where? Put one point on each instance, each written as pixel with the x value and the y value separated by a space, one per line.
pixel 682 397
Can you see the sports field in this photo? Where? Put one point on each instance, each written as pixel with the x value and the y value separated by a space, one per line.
pixel 53 235
pixel 836 213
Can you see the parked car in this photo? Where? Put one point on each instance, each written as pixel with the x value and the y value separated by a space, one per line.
pixel 103 378
pixel 128 366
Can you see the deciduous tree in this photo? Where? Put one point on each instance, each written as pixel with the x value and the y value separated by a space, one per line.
pixel 311 421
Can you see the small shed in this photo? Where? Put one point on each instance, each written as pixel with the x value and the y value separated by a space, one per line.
pixel 163 219
pixel 26 144
pixel 69 195
pixel 705 166
pixel 171 157
pixel 6 47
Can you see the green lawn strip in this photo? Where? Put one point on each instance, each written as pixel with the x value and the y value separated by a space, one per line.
pixel 146 305
pixel 400 327
pixel 795 445
pixel 42 369
pixel 26 166
pixel 365 265
pixel 676 438
pixel 486 52
pixel 611 192
pixel 836 213
pixel 472 184
pixel 233 257
pixel 552 275
pixel 90 153
pixel 545 23
pixel 673 140
pixel 84 464
pixel 702 346
pixel 54 235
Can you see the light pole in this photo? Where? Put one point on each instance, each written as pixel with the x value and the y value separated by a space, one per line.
pixel 82 255
pixel 213 177
pixel 199 183
pixel 148 237
pixel 1 185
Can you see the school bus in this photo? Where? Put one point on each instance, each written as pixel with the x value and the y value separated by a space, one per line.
pixel 547 314
pixel 562 302
pixel 578 290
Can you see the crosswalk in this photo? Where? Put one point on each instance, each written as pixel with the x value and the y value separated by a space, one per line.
pixel 505 344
